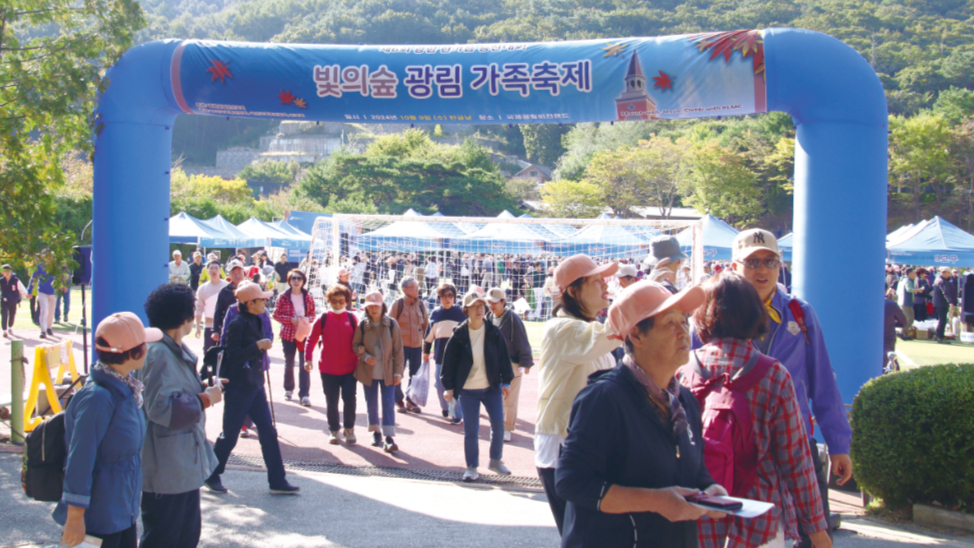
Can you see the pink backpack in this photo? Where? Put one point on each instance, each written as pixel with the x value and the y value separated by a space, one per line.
pixel 730 451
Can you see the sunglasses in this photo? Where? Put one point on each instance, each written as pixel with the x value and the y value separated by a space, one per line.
pixel 756 263
pixel 297 278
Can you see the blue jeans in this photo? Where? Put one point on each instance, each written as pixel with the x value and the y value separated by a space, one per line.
pixel 238 403
pixel 493 401
pixel 413 358
pixel 444 405
pixel 388 393
pixel 66 297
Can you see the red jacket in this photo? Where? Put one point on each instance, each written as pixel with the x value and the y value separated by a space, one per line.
pixel 337 356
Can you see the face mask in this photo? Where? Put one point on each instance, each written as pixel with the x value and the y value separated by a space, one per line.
pixel 338 309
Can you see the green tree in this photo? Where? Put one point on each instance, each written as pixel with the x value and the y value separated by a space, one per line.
pixel 652 173
pixel 919 157
pixel 955 105
pixel 53 54
pixel 720 183
pixel 568 199
pixel 278 172
pixel 542 142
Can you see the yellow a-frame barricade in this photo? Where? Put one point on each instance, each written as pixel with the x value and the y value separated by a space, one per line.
pixel 47 358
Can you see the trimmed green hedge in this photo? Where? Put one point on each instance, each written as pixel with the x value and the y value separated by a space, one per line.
pixel 913 436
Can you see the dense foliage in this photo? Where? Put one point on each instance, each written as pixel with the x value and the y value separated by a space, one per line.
pixel 912 438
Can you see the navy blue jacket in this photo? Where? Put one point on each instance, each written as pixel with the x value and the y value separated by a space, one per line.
pixel 9 291
pixel 616 438
pixel 104 430
pixel 944 292
pixel 458 358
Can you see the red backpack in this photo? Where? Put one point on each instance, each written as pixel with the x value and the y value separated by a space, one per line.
pixel 730 451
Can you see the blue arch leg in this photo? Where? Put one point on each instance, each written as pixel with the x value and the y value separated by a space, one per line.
pixel 840 222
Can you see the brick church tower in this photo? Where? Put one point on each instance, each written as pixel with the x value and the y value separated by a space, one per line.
pixel 635 103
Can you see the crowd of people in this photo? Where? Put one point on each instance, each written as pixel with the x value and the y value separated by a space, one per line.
pixel 629 363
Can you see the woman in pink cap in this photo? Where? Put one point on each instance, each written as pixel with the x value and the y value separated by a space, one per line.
pixel 573 347
pixel 104 429
pixel 635 448
pixel 378 343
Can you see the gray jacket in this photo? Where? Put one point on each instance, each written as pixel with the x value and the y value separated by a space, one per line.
pixel 516 336
pixel 176 457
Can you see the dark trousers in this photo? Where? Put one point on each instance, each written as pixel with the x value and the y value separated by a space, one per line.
pixel 942 320
pixel 920 311
pixel 238 403
pixel 345 385
pixel 64 296
pixel 304 377
pixel 8 311
pixel 413 358
pixel 823 487
pixel 35 311
pixel 128 538
pixel 556 503
pixel 171 521
pixel 208 341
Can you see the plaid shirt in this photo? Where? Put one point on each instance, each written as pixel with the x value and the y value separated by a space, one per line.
pixel 786 475
pixel 284 313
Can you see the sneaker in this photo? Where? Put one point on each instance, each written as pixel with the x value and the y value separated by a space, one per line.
pixel 244 432
pixel 412 407
pixel 44 335
pixel 497 465
pixel 286 489
pixel 350 436
pixel 5 335
pixel 333 437
pixel 376 439
pixel 390 445
pixel 287 395
pixel 470 474
pixel 507 436
pixel 446 414
pixel 215 486
pixel 305 402
pixel 456 420
pixel 401 407
pixel 50 332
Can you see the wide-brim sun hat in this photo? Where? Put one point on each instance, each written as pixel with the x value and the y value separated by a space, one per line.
pixel 645 299
pixel 580 266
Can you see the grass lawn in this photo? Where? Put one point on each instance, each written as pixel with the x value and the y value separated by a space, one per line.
pixel 24 323
pixel 930 353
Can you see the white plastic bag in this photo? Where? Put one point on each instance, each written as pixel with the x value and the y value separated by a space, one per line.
pixel 419 385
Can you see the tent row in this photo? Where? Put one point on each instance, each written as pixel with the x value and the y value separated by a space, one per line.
pixel 220 233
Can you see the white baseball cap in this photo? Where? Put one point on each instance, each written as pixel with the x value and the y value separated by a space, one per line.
pixel 496 295
pixel 749 241
pixel 627 270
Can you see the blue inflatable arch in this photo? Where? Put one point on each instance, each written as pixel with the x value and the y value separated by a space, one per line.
pixel 834 97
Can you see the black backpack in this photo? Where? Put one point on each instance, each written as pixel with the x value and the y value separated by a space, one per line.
pixel 45 453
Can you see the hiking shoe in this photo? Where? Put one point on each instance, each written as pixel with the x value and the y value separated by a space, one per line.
pixel 286 489
pixel 496 465
pixel 412 407
pixel 287 395
pixel 401 407
pixel 305 402
pixel 376 439
pixel 350 436
pixel 390 445
pixel 333 437
pixel 507 436
pixel 215 486
pixel 470 474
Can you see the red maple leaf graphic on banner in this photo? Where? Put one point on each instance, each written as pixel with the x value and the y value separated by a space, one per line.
pixel 286 97
pixel 300 103
pixel 748 42
pixel 220 70
pixel 663 81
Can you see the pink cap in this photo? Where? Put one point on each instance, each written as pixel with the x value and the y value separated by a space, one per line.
pixel 374 299
pixel 644 299
pixel 580 266
pixel 343 272
pixel 124 331
pixel 248 291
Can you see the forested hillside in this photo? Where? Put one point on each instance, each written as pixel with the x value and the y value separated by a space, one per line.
pixel 737 168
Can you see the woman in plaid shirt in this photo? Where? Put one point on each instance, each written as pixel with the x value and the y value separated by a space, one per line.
pixel 731 316
pixel 292 305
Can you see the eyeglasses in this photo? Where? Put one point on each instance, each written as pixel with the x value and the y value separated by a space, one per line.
pixel 756 263
pixel 297 279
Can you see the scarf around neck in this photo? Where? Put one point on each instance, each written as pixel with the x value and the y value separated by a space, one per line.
pixel 129 380
pixel 668 400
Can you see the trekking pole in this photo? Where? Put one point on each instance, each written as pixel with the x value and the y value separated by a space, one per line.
pixel 17 391
pixel 270 395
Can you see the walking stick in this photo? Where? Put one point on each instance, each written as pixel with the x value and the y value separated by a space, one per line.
pixel 270 395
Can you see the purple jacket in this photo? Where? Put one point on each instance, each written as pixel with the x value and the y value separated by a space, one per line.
pixel 811 371
pixel 265 320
